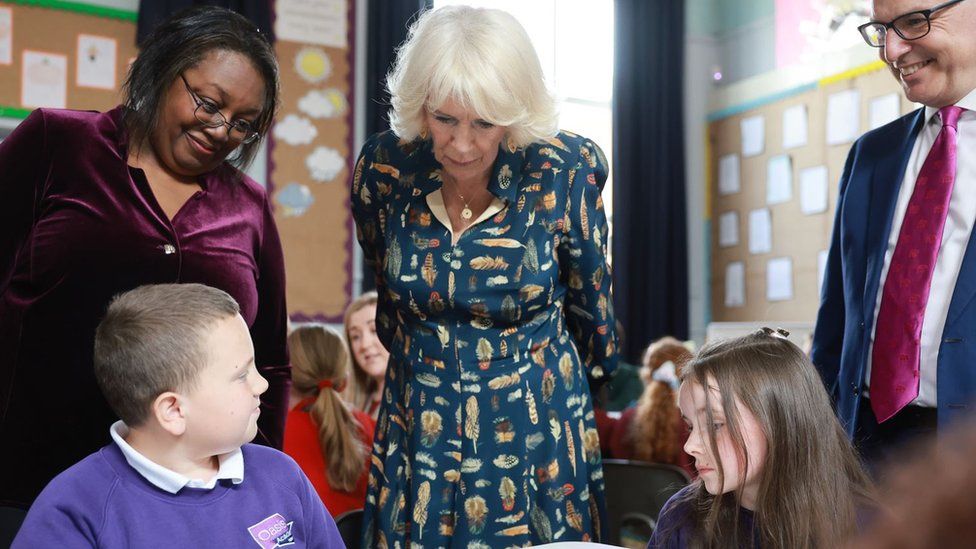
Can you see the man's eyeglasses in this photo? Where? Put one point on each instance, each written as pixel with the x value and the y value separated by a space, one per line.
pixel 910 26
pixel 208 114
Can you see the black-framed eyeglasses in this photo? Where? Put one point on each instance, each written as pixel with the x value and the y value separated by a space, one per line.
pixel 909 26
pixel 208 114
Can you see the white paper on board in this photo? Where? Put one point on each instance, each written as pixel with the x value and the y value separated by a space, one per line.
pixel 795 126
pixel 821 269
pixel 779 179
pixel 753 131
pixel 320 22
pixel 728 174
pixel 843 117
pixel 760 231
pixel 813 190
pixel 735 284
pixel 44 80
pixel 884 109
pixel 779 279
pixel 96 61
pixel 6 36
pixel 728 229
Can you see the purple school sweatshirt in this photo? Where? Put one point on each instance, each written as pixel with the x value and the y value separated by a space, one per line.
pixel 103 502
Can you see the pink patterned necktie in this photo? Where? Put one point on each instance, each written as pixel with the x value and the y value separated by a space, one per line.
pixel 895 357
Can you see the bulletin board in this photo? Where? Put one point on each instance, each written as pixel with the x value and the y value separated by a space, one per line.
pixel 312 155
pixel 37 32
pixel 755 279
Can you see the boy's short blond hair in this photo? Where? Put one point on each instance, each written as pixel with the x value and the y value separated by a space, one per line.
pixel 152 340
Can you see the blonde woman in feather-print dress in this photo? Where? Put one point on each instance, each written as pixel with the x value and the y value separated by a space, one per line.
pixel 487 234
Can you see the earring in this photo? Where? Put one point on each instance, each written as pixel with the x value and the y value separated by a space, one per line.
pixel 511 145
pixel 423 133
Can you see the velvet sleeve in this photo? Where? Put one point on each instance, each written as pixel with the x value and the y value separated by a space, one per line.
pixel 370 218
pixel 583 266
pixel 24 161
pixel 270 334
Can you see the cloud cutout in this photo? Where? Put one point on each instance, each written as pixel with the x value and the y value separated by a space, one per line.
pixel 328 103
pixel 294 199
pixel 295 130
pixel 324 164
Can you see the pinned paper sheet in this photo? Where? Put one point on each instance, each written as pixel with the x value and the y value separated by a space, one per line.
pixel 813 190
pixel 753 131
pixel 779 179
pixel 96 61
pixel 795 126
pixel 322 22
pixel 760 231
pixel 735 284
pixel 843 117
pixel 6 36
pixel 884 109
pixel 821 269
pixel 44 79
pixel 779 279
pixel 728 229
pixel 728 174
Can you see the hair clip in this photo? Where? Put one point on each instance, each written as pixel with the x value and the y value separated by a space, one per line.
pixel 778 332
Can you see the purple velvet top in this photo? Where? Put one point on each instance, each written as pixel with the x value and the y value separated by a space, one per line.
pixel 78 226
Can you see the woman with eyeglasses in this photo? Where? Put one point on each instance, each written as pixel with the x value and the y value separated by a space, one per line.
pixel 93 204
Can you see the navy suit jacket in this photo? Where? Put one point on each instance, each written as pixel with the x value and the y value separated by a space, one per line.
pixel 869 187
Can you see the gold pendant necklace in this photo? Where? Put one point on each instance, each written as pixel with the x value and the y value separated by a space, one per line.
pixel 466 212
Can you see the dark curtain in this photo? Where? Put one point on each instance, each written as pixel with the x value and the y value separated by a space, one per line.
pixel 386 28
pixel 153 12
pixel 650 249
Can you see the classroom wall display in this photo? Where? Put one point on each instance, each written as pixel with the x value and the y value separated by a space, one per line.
pixel 789 152
pixel 312 156
pixel 53 56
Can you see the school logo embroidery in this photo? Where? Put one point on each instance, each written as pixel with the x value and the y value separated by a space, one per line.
pixel 272 532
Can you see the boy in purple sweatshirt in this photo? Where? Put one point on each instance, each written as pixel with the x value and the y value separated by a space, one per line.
pixel 175 362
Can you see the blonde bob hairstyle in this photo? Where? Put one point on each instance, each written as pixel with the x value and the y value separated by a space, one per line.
pixel 483 60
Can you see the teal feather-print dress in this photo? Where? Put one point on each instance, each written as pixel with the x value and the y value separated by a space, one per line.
pixel 486 435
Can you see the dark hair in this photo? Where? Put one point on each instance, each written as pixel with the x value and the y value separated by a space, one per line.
pixel 153 340
pixel 180 43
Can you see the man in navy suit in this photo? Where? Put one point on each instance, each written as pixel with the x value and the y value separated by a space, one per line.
pixel 895 340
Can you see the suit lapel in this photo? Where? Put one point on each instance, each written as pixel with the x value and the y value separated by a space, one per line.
pixel 886 180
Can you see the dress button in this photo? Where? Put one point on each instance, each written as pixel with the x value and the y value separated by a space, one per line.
pixel 169 249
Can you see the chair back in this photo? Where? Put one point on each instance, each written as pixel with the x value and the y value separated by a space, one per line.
pixel 636 492
pixel 350 525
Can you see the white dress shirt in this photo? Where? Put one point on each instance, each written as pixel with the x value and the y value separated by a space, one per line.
pixel 955 238
pixel 231 466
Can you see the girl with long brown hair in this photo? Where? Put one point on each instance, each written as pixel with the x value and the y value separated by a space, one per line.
pixel 329 440
pixel 775 468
